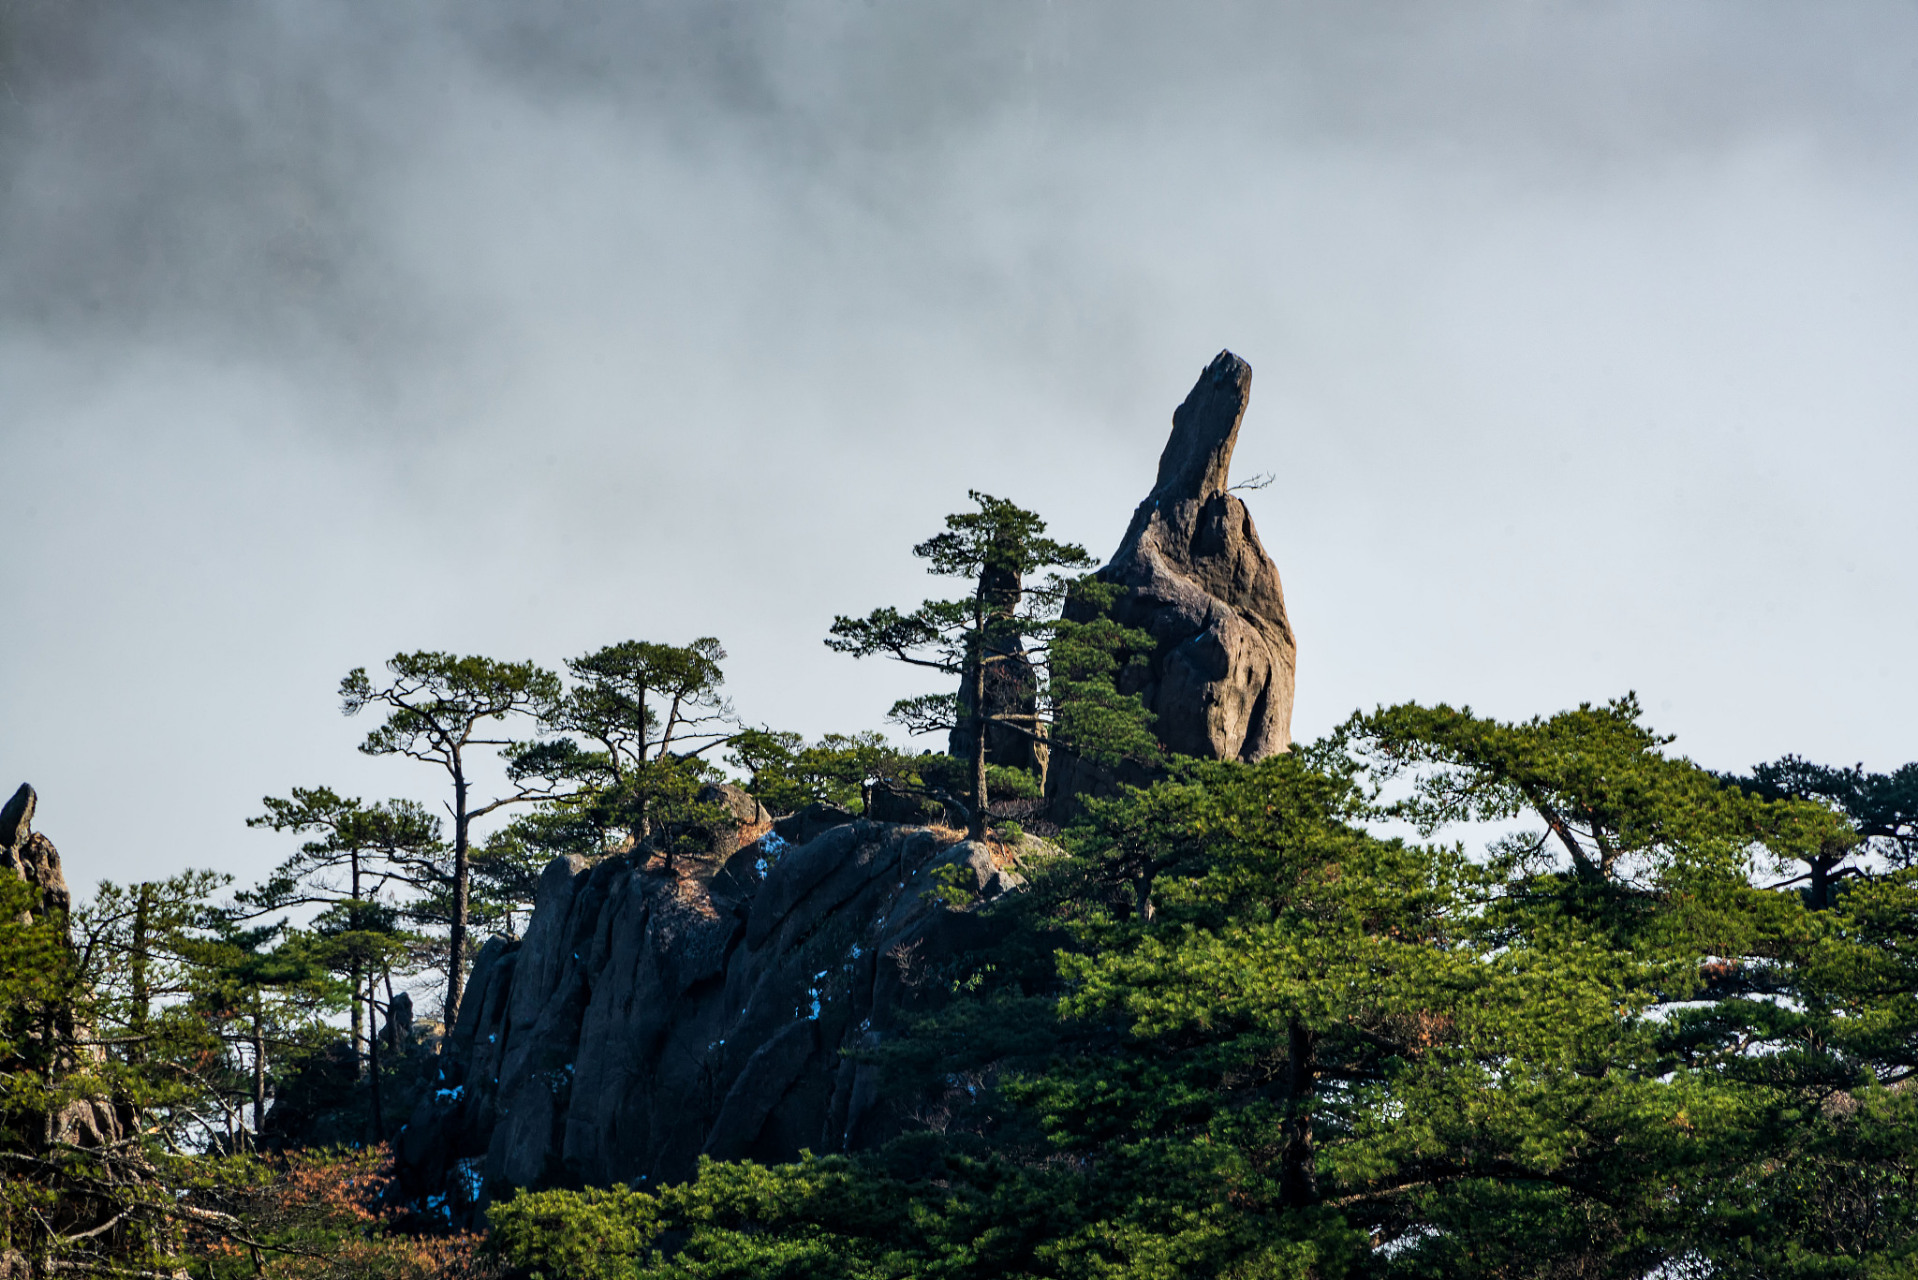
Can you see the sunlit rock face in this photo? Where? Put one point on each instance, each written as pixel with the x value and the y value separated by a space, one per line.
pixel 1219 679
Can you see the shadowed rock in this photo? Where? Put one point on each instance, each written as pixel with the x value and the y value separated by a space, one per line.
pixel 1011 686
pixel 650 1016
pixel 1220 675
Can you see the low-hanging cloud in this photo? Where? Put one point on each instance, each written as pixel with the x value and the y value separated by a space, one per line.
pixel 1581 337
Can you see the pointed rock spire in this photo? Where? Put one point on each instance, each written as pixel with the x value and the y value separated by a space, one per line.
pixel 1198 456
pixel 30 855
pixel 1220 676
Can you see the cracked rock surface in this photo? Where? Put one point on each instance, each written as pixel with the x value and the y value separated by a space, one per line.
pixel 652 1015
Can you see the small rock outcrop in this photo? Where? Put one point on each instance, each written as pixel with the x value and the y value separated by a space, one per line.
pixel 29 855
pixel 651 1014
pixel 1011 686
pixel 1219 679
pixel 87 1123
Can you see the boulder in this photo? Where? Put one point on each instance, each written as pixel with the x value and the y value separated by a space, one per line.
pixel 811 821
pixel 992 870
pixel 746 819
pixel 398 1031
pixel 1219 678
pixel 889 804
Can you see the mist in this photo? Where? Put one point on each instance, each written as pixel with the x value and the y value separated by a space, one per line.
pixel 1582 338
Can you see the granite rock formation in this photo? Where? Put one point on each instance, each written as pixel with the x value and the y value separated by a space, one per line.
pixel 1011 687
pixel 1219 679
pixel 652 1015
pixel 29 855
pixel 82 1122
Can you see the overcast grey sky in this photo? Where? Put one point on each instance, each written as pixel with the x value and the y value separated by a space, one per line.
pixel 1583 338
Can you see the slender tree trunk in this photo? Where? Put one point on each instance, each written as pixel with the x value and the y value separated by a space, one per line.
pixel 976 829
pixel 1298 1180
pixel 672 721
pixel 456 945
pixel 137 970
pixel 373 1056
pixel 359 1025
pixel 259 1076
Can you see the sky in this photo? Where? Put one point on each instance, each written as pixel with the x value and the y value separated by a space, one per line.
pixel 1582 335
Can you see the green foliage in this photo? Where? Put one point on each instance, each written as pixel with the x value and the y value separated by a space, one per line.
pixel 372 868
pixel 636 698
pixel 787 774
pixel 910 1211
pixel 40 984
pixel 942 775
pixel 1880 809
pixel 1232 1029
pixel 596 1234
pixel 437 706
pixel 1090 656
pixel 435 701
pixel 1236 1032
pixel 133 1037
pixel 998 643
pixel 1595 777
pixel 951 885
pixel 615 778
pixel 371 844
pixel 201 1017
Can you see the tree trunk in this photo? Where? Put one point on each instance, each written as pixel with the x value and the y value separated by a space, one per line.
pixel 456 943
pixel 976 829
pixel 259 1076
pixel 359 1025
pixel 142 992
pixel 1821 882
pixel 1298 1180
pixel 373 1055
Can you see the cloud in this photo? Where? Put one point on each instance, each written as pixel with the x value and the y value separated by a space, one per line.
pixel 1580 331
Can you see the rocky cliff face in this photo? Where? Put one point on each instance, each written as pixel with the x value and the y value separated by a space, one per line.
pixel 650 1016
pixel 1220 676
